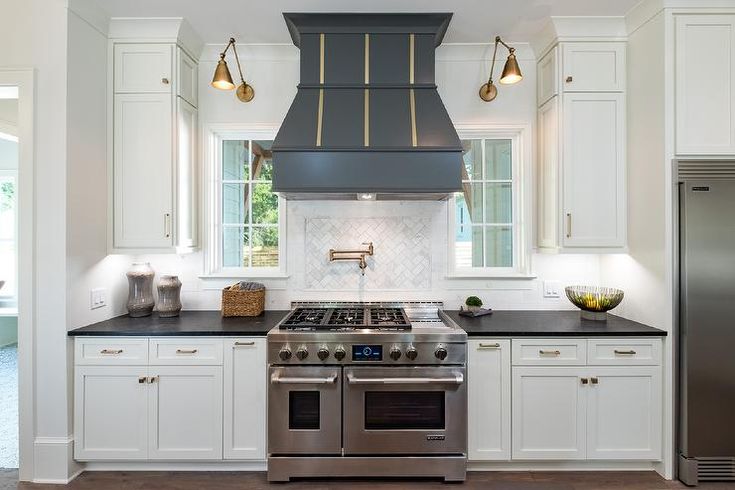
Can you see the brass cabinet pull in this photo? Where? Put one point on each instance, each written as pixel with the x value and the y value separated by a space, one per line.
pixel 152 379
pixel 569 79
pixel 584 380
pixel 496 345
pixel 167 225
pixel 111 351
pixel 569 225
pixel 624 352
pixel 164 81
pixel 142 379
pixel 594 380
pixel 549 352
pixel 244 343
pixel 187 351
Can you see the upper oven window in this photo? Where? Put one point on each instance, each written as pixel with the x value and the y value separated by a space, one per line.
pixel 394 410
pixel 303 410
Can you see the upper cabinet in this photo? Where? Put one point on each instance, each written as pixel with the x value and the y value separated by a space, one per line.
pixel 705 84
pixel 154 149
pixel 143 68
pixel 581 148
pixel 593 67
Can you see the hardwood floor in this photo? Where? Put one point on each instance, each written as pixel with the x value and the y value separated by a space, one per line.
pixel 257 481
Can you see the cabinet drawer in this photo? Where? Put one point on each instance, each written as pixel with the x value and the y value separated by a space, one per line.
pixel 186 351
pixel 110 351
pixel 635 352
pixel 549 352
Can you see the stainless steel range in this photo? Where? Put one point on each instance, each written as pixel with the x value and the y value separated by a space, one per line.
pixel 367 389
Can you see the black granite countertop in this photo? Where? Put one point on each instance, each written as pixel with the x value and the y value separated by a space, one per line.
pixel 194 323
pixel 523 323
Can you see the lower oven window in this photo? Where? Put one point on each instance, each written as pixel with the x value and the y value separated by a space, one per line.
pixel 303 410
pixel 393 410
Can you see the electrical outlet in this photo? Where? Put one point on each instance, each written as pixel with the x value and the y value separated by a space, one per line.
pixel 97 298
pixel 552 289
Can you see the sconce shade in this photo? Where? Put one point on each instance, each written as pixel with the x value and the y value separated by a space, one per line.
pixel 222 78
pixel 511 71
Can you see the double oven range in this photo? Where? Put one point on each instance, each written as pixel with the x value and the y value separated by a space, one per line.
pixel 367 389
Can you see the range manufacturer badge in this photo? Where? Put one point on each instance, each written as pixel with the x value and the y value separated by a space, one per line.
pixel 435 437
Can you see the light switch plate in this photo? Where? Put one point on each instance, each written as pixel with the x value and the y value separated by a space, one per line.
pixel 552 289
pixel 97 298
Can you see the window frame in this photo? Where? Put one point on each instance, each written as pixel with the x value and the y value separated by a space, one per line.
pixel 213 137
pixel 520 206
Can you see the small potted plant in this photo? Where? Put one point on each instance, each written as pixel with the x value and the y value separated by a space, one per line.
pixel 473 303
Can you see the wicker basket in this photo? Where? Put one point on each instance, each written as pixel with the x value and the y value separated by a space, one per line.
pixel 239 302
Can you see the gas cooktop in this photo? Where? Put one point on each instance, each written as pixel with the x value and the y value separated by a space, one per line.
pixel 347 317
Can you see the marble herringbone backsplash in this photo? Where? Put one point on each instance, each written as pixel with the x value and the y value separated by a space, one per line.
pixel 402 257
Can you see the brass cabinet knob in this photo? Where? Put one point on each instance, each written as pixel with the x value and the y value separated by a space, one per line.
pixel 594 380
pixel 584 380
pixel 569 79
pixel 165 81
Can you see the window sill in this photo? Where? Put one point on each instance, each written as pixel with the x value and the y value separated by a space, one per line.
pixel 490 275
pixel 244 275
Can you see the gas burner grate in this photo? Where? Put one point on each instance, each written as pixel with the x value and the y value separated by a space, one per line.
pixel 305 317
pixel 347 316
pixel 389 318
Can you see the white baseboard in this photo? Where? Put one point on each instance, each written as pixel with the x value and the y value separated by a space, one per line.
pixel 560 466
pixel 175 466
pixel 53 460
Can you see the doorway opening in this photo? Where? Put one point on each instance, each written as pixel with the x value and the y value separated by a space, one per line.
pixel 9 163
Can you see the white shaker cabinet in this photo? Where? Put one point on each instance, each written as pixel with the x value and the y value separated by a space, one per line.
pixel 185 412
pixel 594 170
pixel 142 171
pixel 705 84
pixel 154 149
pixel 110 413
pixel 549 412
pixel 581 148
pixel 488 393
pixel 624 413
pixel 593 67
pixel 143 68
pixel 245 399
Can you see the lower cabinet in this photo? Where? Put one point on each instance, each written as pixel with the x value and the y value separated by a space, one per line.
pixel 245 399
pixel 604 413
pixel 110 412
pixel 185 399
pixel 564 399
pixel 488 393
pixel 185 418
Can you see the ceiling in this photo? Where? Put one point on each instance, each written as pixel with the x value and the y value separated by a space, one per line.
pixel 260 21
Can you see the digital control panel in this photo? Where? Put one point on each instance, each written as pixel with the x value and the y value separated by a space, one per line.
pixel 367 352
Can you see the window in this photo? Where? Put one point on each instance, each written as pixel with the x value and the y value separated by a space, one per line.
pixel 8 227
pixel 247 217
pixel 485 218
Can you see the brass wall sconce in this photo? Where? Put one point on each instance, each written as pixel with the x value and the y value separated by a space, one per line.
pixel 358 255
pixel 223 80
pixel 511 72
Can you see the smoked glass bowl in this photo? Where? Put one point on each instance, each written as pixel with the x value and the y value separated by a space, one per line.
pixel 594 301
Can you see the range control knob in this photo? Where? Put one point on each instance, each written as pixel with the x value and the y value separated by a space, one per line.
pixel 395 353
pixel 440 352
pixel 302 353
pixel 284 353
pixel 412 353
pixel 339 353
pixel 322 353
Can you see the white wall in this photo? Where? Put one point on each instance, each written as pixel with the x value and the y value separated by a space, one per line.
pixel 461 69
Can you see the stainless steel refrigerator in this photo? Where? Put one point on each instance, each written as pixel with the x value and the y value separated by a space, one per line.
pixel 706 341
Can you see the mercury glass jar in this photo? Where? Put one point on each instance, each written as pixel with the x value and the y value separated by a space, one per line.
pixel 140 289
pixel 169 296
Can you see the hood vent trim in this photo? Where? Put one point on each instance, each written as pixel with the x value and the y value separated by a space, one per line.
pixel 367 116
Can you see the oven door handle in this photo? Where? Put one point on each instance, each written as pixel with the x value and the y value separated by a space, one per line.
pixel 276 379
pixel 457 379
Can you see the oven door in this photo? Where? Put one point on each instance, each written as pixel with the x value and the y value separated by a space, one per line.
pixel 304 410
pixel 405 410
